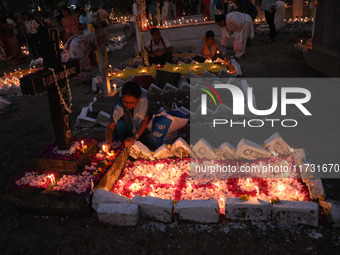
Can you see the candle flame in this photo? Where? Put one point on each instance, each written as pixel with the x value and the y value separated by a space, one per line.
pixel 281 187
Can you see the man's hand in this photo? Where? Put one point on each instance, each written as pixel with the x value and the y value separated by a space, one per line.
pixel 129 141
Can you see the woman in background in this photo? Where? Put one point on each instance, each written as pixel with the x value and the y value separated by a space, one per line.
pixel 209 48
pixel 70 23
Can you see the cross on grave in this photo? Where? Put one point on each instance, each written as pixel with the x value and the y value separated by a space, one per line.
pixel 53 79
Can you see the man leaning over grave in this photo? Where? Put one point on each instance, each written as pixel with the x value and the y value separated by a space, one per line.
pixel 159 48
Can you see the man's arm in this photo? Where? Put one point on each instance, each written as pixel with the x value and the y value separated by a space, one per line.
pixel 109 133
pixel 129 141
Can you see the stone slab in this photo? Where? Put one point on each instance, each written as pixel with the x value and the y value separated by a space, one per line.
pixel 180 148
pixel 296 212
pixel 203 149
pixel 163 152
pixel 278 145
pixel 203 211
pixel 225 152
pixel 250 150
pixel 253 209
pixel 139 150
pixel 155 208
pixel 103 118
pixel 118 214
pixel 102 196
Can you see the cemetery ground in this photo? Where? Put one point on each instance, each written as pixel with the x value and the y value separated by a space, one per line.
pixel 26 129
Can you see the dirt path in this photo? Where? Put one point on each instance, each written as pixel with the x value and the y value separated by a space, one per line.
pixel 26 128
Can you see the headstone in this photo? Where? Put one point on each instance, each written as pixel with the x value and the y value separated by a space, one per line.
pixel 163 152
pixel 203 150
pixel 224 74
pixel 103 118
pixel 278 145
pixel 207 74
pixel 139 150
pixel 180 148
pixel 225 152
pixel 170 88
pixel 184 86
pixel 250 150
pixel 154 90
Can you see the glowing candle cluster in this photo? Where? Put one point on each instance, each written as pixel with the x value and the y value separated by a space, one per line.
pixel 169 179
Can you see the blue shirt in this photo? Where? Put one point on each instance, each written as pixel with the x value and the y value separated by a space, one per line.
pixel 84 20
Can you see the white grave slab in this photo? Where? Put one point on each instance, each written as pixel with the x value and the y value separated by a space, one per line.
pixel 296 212
pixel 102 196
pixel 155 208
pixel 180 148
pixel 204 211
pixel 225 152
pixel 250 150
pixel 278 145
pixel 103 118
pixel 203 149
pixel 253 209
pixel 163 152
pixel 118 214
pixel 139 150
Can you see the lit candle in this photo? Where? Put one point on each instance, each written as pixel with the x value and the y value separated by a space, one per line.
pixel 196 67
pixel 82 143
pixel 114 86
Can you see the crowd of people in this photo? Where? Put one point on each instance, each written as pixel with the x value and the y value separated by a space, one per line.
pixel 237 24
pixel 27 29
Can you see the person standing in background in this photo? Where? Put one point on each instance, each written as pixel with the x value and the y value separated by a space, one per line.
pixel 269 8
pixel 246 6
pixel 206 9
pixel 103 15
pixel 31 31
pixel 279 15
pixel 70 23
pixel 84 20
